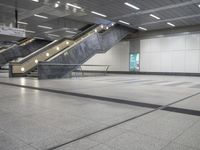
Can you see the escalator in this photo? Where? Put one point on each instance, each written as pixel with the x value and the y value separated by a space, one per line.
pixel 78 51
pixel 24 48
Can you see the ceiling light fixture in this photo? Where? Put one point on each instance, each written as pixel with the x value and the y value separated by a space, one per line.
pixel 57 4
pixel 124 22
pixel 75 6
pixel 142 28
pixel 40 16
pixel 29 31
pixel 72 32
pixel 132 6
pixel 170 24
pixel 20 22
pixel 36 1
pixel 39 38
pixel 44 27
pixel 156 17
pixel 99 14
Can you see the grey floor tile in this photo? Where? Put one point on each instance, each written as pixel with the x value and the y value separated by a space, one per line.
pixel 175 146
pixel 29 130
pixel 136 141
pixel 8 142
pixel 107 135
pixel 190 137
pixel 159 130
pixel 101 147
pixel 83 144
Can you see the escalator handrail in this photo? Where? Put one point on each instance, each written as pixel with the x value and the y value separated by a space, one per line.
pixel 46 47
pixel 19 44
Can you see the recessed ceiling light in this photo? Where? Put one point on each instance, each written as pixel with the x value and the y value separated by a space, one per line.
pixel 40 16
pixel 72 32
pixel 124 22
pixel 99 14
pixel 154 16
pixel 20 22
pixel 45 27
pixel 113 24
pixel 75 6
pixel 39 38
pixel 36 1
pixel 132 6
pixel 170 24
pixel 142 28
pixel 29 31
pixel 57 4
pixel 199 5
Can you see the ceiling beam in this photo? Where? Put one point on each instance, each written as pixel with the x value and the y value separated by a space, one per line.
pixel 182 4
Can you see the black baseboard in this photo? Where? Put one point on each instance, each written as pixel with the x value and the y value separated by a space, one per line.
pixel 145 73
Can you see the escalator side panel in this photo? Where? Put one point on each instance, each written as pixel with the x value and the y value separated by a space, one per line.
pixel 21 51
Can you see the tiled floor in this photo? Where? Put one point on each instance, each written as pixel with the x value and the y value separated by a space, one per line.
pixel 38 119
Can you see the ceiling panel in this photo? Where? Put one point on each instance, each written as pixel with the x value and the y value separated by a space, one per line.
pixel 179 12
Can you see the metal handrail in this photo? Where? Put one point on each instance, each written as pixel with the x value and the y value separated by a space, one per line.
pixel 37 52
pixel 77 66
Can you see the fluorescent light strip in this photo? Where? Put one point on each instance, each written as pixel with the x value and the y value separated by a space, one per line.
pixel 132 6
pixel 156 17
pixel 29 31
pixel 36 1
pixel 142 28
pixel 39 38
pixel 40 16
pixel 72 32
pixel 99 14
pixel 54 35
pixel 25 23
pixel 45 27
pixel 75 6
pixel 170 24
pixel 124 22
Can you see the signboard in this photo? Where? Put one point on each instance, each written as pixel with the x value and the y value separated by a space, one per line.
pixel 134 62
pixel 12 31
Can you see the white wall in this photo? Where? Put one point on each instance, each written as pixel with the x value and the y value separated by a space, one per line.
pixel 117 57
pixel 180 53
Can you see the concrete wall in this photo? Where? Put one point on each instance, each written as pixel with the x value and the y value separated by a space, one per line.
pixel 175 53
pixel 117 57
